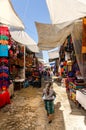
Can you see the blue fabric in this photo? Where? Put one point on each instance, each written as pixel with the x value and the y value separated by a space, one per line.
pixel 4 70
pixel 4 50
pixel 79 87
pixel 26 84
pixel 4 78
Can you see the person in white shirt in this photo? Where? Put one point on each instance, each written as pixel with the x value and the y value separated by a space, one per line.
pixel 49 96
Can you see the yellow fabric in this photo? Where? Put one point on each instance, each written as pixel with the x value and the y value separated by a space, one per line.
pixel 83 49
pixel 84 36
pixel 4 42
pixel 73 96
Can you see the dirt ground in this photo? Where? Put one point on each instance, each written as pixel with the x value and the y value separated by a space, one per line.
pixel 27 112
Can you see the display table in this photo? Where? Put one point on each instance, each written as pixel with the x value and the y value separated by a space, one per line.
pixel 18 84
pixel 81 98
pixel 4 98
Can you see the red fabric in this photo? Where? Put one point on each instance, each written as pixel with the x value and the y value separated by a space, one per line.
pixel 3 74
pixel 4 60
pixel 4 30
pixel 71 79
pixel 4 98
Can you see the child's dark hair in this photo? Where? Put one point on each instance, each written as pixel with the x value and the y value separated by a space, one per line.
pixel 48 88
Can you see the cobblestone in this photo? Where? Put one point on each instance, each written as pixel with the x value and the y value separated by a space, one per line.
pixel 26 112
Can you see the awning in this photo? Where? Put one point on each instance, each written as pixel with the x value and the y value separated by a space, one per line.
pixel 51 36
pixel 23 38
pixel 64 11
pixel 8 15
pixel 63 17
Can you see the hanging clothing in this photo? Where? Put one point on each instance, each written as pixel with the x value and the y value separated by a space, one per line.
pixel 4 42
pixel 3 37
pixel 84 36
pixel 4 50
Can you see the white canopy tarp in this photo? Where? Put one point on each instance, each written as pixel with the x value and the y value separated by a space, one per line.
pixel 63 14
pixel 23 38
pixel 77 42
pixel 8 15
pixel 65 11
pixel 50 36
pixel 53 54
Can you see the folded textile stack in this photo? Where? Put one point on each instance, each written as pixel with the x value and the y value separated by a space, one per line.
pixel 4 59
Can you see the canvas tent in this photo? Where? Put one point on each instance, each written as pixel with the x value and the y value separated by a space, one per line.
pixel 23 38
pixel 50 36
pixel 77 42
pixel 8 15
pixel 66 17
pixel 66 11
pixel 63 14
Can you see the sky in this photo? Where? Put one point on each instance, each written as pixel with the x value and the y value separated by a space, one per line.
pixel 31 11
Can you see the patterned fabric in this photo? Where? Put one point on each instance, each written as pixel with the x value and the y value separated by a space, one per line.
pixel 4 78
pixel 4 42
pixel 4 31
pixel 4 67
pixel 3 75
pixel 4 70
pixel 51 95
pixel 49 106
pixel 4 83
pixel 4 60
pixel 3 37
pixel 3 50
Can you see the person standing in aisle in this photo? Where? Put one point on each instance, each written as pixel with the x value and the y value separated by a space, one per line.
pixel 48 96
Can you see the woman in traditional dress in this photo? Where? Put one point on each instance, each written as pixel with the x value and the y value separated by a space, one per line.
pixel 48 97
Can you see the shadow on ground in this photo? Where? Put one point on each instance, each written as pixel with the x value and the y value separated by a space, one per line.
pixel 59 119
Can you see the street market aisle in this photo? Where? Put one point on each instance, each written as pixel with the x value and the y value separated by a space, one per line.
pixel 27 112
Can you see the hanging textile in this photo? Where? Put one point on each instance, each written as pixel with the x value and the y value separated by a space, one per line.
pixel 77 42
pixel 4 57
pixel 84 36
pixel 3 50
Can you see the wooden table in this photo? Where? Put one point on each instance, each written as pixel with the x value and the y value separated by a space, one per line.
pixel 18 84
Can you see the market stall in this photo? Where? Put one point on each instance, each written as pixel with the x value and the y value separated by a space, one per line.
pixel 5 43
pixel 17 70
pixel 69 69
pixel 81 97
pixel 32 71
pixel 8 19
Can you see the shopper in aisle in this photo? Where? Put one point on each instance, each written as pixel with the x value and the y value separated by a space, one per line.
pixel 48 97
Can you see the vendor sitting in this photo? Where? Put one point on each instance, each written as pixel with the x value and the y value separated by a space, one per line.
pixel 26 83
pixel 37 82
pixel 80 83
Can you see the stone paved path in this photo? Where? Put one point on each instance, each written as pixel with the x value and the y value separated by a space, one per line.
pixel 26 112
